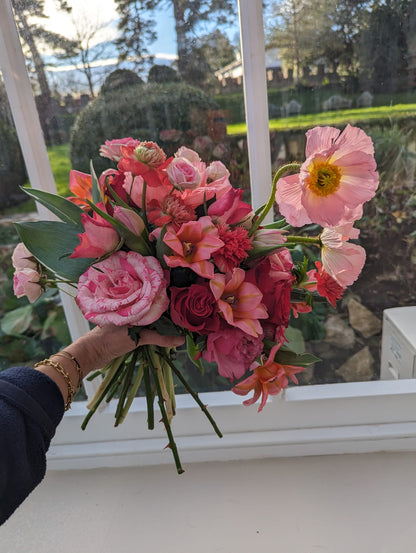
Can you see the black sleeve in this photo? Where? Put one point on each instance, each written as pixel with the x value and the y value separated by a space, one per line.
pixel 31 407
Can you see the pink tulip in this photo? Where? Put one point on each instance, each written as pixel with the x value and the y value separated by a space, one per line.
pixel 99 237
pixel 130 219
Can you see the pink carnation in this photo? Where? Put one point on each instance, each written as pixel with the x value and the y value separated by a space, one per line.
pixel 124 289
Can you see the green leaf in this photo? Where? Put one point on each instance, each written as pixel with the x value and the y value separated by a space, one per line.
pixel 162 248
pixel 16 322
pixel 289 358
pixel 52 242
pixel 280 224
pixel 166 327
pixel 295 338
pixel 96 193
pixel 193 350
pixel 260 252
pixel 64 209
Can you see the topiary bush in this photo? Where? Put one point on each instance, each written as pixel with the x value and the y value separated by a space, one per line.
pixel 119 79
pixel 12 167
pixel 140 111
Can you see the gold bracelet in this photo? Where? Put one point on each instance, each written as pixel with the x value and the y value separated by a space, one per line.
pixel 64 353
pixel 58 367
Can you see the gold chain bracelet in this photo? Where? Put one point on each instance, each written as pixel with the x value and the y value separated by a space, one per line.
pixel 60 370
pixel 65 353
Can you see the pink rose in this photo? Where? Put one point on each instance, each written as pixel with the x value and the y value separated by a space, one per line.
pixel 22 258
pixel 183 174
pixel 124 289
pixel 233 350
pixel 194 308
pixel 26 282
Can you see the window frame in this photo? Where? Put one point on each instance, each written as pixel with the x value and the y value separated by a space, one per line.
pixel 308 420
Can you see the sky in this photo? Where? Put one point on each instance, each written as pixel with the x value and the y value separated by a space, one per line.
pixel 103 12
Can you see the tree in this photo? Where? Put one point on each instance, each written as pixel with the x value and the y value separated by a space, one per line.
pixel 32 34
pixel 137 25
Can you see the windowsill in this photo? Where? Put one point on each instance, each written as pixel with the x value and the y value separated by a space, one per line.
pixel 309 420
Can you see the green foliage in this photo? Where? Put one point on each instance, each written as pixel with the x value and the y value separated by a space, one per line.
pixel 12 167
pixel 140 112
pixel 120 79
pixel 61 166
pixel 162 74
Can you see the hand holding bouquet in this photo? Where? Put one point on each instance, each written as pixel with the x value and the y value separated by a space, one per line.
pixel 169 244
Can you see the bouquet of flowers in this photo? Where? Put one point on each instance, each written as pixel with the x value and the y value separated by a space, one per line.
pixel 168 243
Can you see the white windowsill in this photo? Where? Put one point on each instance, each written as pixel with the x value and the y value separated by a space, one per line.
pixel 310 420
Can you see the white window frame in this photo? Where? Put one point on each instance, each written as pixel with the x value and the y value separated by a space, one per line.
pixel 309 420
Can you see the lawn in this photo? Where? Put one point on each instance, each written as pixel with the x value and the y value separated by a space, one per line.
pixel 338 118
pixel 61 165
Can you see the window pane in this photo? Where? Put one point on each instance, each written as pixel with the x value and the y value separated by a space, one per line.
pixel 334 63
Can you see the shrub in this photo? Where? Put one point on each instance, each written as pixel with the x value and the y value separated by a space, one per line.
pixel 118 80
pixel 162 74
pixel 140 112
pixel 12 167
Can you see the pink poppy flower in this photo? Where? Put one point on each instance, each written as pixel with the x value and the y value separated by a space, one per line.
pixel 338 176
pixel 239 302
pixel 193 246
pixel 267 379
pixel 342 260
pixel 98 239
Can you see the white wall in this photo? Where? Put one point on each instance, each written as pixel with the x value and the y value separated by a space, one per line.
pixel 335 504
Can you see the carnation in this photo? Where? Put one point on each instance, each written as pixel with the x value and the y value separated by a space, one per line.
pixel 235 250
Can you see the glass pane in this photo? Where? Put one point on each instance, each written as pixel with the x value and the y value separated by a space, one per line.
pixel 331 63
pixel 97 77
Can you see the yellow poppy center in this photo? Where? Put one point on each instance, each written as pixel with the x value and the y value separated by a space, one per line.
pixel 324 178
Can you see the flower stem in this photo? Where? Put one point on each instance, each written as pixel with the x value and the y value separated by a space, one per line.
pixel 149 393
pixel 279 173
pixel 144 205
pixel 303 240
pixel 194 395
pixel 161 402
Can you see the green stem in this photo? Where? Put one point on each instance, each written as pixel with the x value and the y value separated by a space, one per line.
pixel 279 173
pixel 149 393
pixel 126 385
pixel 165 418
pixel 132 393
pixel 194 395
pixel 303 240
pixel 144 217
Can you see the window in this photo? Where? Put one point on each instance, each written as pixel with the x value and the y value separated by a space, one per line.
pixel 316 419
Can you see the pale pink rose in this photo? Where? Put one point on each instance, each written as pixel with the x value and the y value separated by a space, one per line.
pixel 112 148
pixel 22 258
pixel 26 282
pixel 233 350
pixel 183 174
pixel 188 154
pixel 217 170
pixel 338 176
pixel 342 260
pixel 124 289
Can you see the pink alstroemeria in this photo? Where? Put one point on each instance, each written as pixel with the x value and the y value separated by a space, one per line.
pixel 98 239
pixel 342 260
pixel 193 246
pixel 80 184
pixel 230 209
pixel 239 302
pixel 267 379
pixel 338 176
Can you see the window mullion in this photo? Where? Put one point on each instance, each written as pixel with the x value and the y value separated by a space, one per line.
pixel 29 131
pixel 255 98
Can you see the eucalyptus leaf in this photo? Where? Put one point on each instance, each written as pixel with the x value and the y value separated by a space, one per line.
pixel 52 242
pixel 66 210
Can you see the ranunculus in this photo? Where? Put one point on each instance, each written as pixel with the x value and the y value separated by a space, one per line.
pixel 112 148
pixel 217 170
pixel 233 350
pixel 26 282
pixel 22 258
pixel 194 308
pixel 183 174
pixel 124 289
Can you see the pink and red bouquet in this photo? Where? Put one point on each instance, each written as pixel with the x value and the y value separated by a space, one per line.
pixel 168 243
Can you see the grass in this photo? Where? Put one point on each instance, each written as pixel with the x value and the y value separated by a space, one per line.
pixel 341 117
pixel 61 165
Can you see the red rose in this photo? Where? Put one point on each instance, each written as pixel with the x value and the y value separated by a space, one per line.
pixel 194 308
